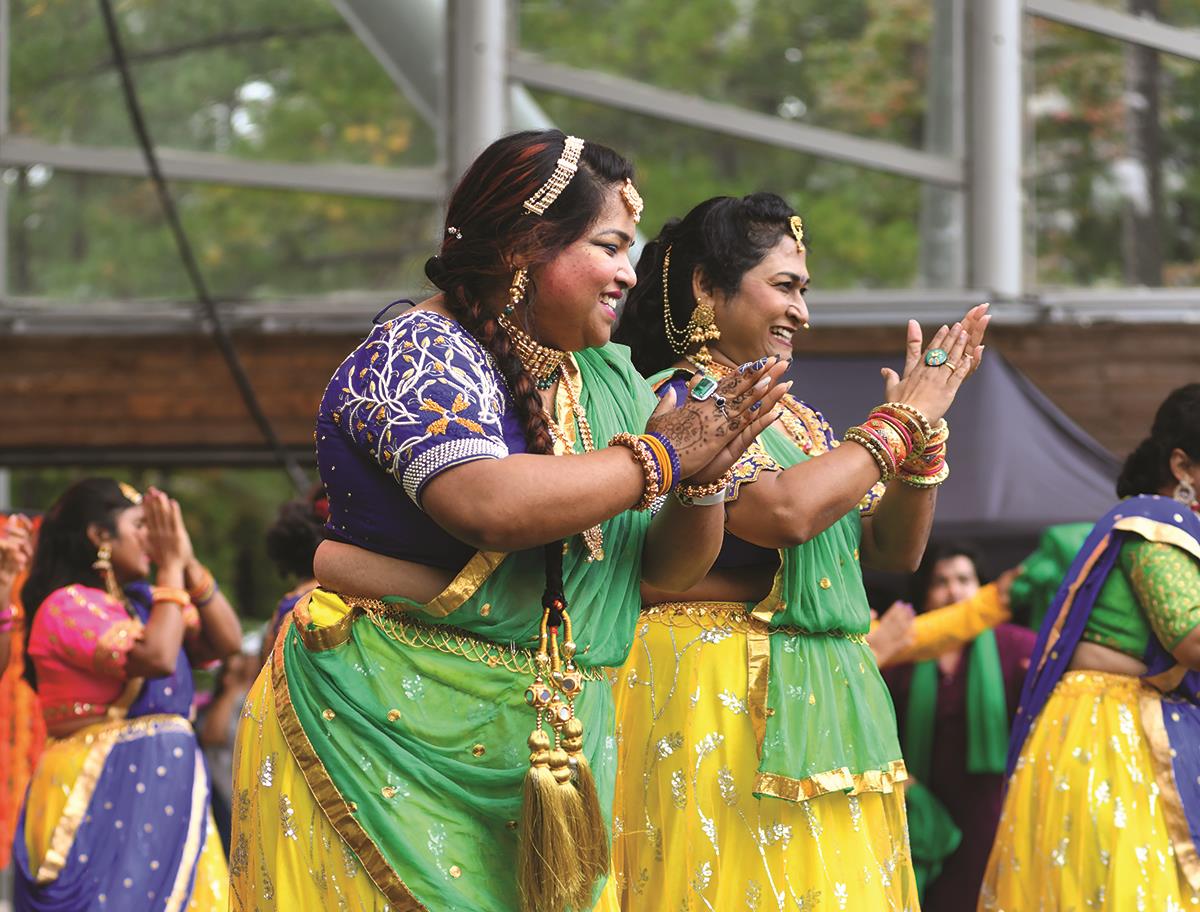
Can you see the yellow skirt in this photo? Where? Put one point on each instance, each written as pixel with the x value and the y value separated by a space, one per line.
pixel 689 833
pixel 1083 825
pixel 286 855
pixel 58 769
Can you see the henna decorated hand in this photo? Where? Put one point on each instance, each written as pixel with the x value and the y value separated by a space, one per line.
pixel 932 389
pixel 709 438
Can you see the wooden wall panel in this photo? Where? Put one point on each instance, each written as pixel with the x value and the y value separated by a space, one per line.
pixel 111 392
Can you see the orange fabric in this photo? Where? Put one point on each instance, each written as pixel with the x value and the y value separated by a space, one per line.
pixel 22 731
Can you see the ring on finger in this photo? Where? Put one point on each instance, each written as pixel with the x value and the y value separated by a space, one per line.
pixel 936 357
pixel 953 367
pixel 720 402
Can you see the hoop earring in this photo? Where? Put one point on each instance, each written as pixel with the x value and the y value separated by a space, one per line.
pixel 516 290
pixel 1185 492
pixel 103 565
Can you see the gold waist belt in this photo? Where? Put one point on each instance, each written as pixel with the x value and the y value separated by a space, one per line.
pixel 398 625
pixel 734 616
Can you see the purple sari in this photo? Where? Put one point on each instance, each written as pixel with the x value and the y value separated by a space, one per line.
pixel 134 824
pixel 1172 721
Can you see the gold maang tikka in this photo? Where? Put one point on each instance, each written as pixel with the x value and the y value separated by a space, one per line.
pixel 701 326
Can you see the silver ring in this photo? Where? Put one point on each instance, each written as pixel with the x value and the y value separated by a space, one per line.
pixel 720 403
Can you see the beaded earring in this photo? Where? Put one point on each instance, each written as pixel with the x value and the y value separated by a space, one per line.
pixel 516 290
pixel 103 565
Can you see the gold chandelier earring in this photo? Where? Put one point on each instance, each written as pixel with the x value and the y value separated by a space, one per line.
pixel 701 327
pixel 517 290
pixel 103 566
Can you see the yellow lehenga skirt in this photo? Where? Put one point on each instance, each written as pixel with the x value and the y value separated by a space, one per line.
pixel 1083 825
pixel 286 854
pixel 688 834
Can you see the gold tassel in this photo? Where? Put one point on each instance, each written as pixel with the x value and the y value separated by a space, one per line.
pixel 588 831
pixel 545 838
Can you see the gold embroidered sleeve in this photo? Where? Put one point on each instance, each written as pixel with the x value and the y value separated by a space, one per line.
pixel 113 645
pixel 1166 581
pixel 749 466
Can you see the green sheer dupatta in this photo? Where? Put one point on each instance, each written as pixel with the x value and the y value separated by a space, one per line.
pixel 823 715
pixel 413 737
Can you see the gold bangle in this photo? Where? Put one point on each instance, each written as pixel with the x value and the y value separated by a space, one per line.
pixel 692 491
pixel 926 481
pixel 912 416
pixel 887 470
pixel 645 458
pixel 170 594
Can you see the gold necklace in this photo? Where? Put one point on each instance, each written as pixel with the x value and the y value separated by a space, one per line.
pixel 542 362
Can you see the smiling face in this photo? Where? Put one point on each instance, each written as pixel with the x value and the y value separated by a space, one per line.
pixel 768 308
pixel 579 290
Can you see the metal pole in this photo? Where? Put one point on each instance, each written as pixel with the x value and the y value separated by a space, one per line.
pixel 5 30
pixel 943 210
pixel 477 46
pixel 995 147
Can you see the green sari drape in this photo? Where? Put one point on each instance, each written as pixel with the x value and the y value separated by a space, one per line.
pixel 827 720
pixel 413 736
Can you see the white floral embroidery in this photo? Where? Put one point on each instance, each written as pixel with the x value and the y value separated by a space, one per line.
pixel 732 702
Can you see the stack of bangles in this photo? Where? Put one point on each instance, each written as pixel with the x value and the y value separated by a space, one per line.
pixel 662 470
pixel 904 444
pixel 8 618
pixel 170 595
pixel 203 592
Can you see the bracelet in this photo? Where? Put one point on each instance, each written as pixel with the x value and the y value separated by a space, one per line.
pixel 203 593
pixel 927 481
pixel 897 441
pixel 662 459
pixel 697 495
pixel 921 461
pixel 645 458
pixel 912 417
pixel 672 454
pixel 170 594
pixel 8 618
pixel 879 452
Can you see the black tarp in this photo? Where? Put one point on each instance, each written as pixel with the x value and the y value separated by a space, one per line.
pixel 1018 464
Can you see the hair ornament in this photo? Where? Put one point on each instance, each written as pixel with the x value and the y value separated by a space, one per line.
pixel 564 170
pixel 454 232
pixel 633 200
pixel 130 493
pixel 797 227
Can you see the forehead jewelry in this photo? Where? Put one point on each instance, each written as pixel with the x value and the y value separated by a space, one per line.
pixel 564 170
pixel 797 227
pixel 633 200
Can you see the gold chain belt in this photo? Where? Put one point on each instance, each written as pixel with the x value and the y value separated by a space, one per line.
pixel 397 625
pixel 734 616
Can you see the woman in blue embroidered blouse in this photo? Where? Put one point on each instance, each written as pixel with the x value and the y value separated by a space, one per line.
pixel 388 744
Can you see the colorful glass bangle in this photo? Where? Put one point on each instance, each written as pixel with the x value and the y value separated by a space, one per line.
pixel 204 592
pixel 926 481
pixel 904 409
pixel 672 453
pixel 662 459
pixel 170 594
pixel 645 459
